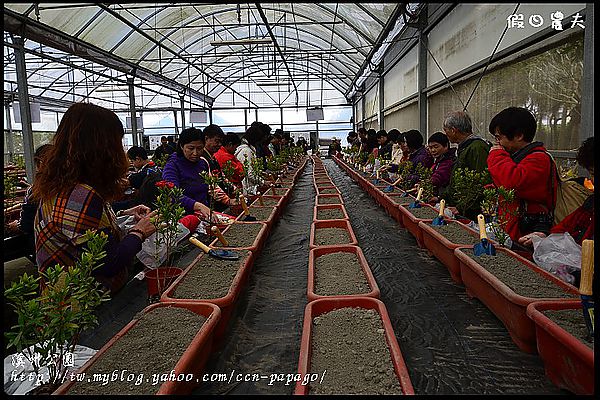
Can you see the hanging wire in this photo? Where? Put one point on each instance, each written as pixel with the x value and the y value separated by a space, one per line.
pixel 489 60
pixel 446 78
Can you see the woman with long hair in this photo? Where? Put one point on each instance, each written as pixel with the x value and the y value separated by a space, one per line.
pixel 84 172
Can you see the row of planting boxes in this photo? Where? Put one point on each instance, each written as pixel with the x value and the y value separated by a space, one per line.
pixel 212 313
pixel 572 368
pixel 329 201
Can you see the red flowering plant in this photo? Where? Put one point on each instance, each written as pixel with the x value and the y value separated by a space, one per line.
pixel 169 212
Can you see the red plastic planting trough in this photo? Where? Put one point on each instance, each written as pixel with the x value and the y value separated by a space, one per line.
pixel 315 253
pixel 225 303
pixel 443 249
pixel 193 359
pixel 337 196
pixel 256 246
pixel 333 223
pixel 321 306
pixel 269 220
pixel 411 223
pixel 568 362
pixel 268 200
pixel 328 190
pixel 507 305
pixel 329 207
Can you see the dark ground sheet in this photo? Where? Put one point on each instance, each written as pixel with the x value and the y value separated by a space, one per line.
pixel 451 344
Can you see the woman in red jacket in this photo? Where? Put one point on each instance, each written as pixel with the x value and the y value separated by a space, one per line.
pixel 517 162
pixel 226 153
pixel 580 223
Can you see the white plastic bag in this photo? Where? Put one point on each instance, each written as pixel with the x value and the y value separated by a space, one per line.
pixel 447 213
pixel 149 252
pixel 558 254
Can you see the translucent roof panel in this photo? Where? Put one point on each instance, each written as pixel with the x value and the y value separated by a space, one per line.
pixel 204 49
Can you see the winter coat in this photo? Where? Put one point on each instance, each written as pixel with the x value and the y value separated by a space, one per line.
pixel 186 175
pixel 532 178
pixel 222 156
pixel 471 154
pixel 580 223
pixel 385 151
pixel 442 170
pixel 419 156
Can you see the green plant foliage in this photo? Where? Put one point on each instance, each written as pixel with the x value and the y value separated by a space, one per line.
pixel 65 307
pixel 425 181
pixel 169 212
pixel 496 206
pixel 469 187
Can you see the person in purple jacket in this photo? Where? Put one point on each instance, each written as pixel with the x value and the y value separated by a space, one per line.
pixel 183 168
pixel 443 159
pixel 418 154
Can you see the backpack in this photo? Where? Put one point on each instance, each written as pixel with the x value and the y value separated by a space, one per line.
pixel 570 195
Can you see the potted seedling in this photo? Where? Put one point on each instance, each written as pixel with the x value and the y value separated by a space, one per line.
pixel 469 186
pixel 50 321
pixel 166 221
pixel 497 210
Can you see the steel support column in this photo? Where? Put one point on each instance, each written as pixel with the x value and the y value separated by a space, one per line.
pixel 134 132
pixel 176 124
pixel 380 82
pixel 210 116
pixel 281 117
pixel 422 73
pixel 587 97
pixel 9 140
pixel 181 99
pixel 24 107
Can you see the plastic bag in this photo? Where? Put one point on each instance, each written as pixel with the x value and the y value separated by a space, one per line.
pixel 152 256
pixel 558 254
pixel 19 377
pixel 447 213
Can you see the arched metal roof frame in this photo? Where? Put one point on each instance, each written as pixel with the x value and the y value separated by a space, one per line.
pixel 188 46
pixel 337 87
pixel 204 16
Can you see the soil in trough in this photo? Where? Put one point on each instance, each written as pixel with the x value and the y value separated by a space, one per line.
pixel 455 234
pixel 331 236
pixel 330 200
pixel 571 321
pixel 241 234
pixel 339 274
pixel 330 213
pixel 151 348
pixel 210 278
pixel 267 201
pixel 350 344
pixel 324 184
pixel 422 212
pixel 260 213
pixel 278 191
pixel 518 277
pixel 329 191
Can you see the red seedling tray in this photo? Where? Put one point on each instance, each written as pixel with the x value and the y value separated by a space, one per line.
pixel 193 359
pixel 507 305
pixel 280 203
pixel 257 245
pixel 320 190
pixel 412 224
pixel 391 201
pixel 443 249
pixel 341 201
pixel 568 362
pixel 317 252
pixel 270 219
pixel 322 306
pixel 332 223
pixel 225 303
pixel 329 207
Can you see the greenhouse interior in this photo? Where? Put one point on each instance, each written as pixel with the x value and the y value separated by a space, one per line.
pixel 299 198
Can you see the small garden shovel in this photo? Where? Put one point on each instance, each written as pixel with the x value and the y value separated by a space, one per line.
pixel 391 187
pixel 484 246
pixel 585 285
pixel 417 202
pixel 439 220
pixel 216 253
pixel 406 193
pixel 376 180
pixel 219 235
pixel 247 216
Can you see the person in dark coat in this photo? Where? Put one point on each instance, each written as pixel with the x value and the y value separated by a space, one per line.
pixel 443 159
pixel 418 154
pixel 471 154
pixel 385 145
pixel 164 149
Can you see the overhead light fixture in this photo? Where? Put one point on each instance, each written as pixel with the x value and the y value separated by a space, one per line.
pixel 240 42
